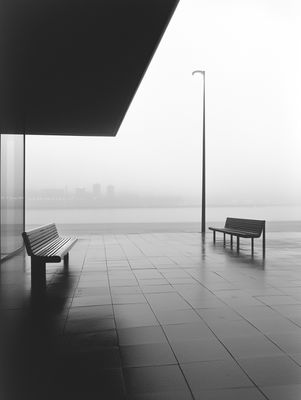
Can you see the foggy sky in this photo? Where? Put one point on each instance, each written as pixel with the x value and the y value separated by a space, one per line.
pixel 250 50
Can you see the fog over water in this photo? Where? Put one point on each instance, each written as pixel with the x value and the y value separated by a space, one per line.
pixel 250 50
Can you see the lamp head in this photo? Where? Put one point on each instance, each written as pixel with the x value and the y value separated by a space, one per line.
pixel 198 72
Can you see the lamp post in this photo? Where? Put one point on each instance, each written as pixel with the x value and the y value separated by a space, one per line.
pixel 203 214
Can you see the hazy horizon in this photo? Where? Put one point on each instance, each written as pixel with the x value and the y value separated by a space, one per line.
pixel 250 51
pixel 36 196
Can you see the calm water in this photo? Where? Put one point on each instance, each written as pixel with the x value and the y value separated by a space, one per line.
pixel 159 215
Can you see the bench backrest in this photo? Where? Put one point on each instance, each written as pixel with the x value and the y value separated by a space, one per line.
pixel 248 225
pixel 37 238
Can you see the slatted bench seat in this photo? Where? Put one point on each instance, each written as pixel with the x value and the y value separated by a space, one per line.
pixel 44 245
pixel 245 228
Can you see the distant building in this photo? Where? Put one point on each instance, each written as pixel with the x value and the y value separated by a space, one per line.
pixel 111 192
pixel 80 193
pixel 51 193
pixel 96 190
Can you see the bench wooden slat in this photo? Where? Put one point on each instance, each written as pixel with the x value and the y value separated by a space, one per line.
pixel 53 247
pixel 36 236
pixel 40 228
pixel 249 225
pixel 36 232
pixel 60 253
pixel 36 244
pixel 54 244
pixel 236 232
pixel 65 248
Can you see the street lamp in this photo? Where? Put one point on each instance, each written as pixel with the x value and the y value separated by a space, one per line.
pixel 203 220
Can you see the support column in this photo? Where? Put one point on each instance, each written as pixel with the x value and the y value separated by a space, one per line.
pixel 263 241
pixel 38 274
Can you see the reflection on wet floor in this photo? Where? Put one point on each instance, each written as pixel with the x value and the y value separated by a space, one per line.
pixel 155 316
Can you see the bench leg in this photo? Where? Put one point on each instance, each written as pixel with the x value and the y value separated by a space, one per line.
pixel 214 237
pixel 224 239
pixel 66 260
pixel 237 249
pixel 252 245
pixel 231 242
pixel 38 274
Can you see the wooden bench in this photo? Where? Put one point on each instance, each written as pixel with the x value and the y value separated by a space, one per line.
pixel 245 228
pixel 44 245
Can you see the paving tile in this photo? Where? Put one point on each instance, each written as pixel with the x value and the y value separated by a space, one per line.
pixel 123 282
pixel 252 346
pixel 296 357
pixel 275 325
pixel 128 298
pixel 157 288
pixel 93 340
pixel 89 312
pixel 147 354
pixel 166 301
pixel 95 384
pixel 141 335
pixel 91 301
pixel 270 371
pixel 187 332
pixel 277 300
pixel 209 301
pixel 134 315
pixel 174 395
pixel 285 392
pixel 234 328
pixel 200 350
pixel 231 394
pixel 288 310
pixel 252 313
pixel 93 283
pixel 288 342
pixel 157 379
pixel 92 291
pixel 219 314
pixel 166 317
pixel 125 290
pixel 89 325
pixel 215 375
pixel 152 282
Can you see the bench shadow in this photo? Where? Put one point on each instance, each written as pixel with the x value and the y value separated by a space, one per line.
pixel 42 362
pixel 244 256
pixel 30 341
pixel 52 298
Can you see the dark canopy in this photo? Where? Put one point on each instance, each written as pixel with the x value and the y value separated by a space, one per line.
pixel 73 66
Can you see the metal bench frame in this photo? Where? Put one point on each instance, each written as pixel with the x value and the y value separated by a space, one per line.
pixel 44 245
pixel 245 228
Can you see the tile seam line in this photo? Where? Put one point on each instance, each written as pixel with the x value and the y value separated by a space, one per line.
pixel 185 379
pixel 82 267
pixel 228 351
pixel 114 316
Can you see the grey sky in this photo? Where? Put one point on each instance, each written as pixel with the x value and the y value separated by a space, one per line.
pixel 250 50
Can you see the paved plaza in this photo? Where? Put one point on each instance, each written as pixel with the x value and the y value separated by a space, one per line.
pixel 156 316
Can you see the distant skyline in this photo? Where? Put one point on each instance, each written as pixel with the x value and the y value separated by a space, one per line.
pixel 89 196
pixel 250 50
